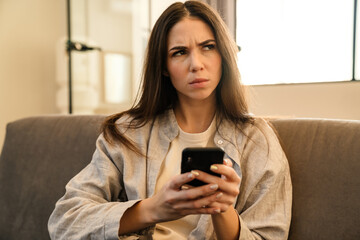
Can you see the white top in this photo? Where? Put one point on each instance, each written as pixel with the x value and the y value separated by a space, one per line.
pixel 181 228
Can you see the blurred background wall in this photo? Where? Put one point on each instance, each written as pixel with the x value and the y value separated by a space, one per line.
pixel 29 31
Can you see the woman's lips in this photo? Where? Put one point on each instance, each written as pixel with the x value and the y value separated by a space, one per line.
pixel 199 82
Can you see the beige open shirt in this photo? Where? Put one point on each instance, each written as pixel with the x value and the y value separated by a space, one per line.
pixel 117 178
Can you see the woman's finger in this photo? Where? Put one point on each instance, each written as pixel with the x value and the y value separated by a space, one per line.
pixel 179 180
pixel 221 206
pixel 204 205
pixel 227 162
pixel 202 210
pixel 226 171
pixel 197 203
pixel 197 192
pixel 230 186
pixel 223 198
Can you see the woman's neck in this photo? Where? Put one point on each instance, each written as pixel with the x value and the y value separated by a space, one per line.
pixel 195 117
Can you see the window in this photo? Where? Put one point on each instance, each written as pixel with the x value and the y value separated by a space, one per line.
pixel 296 41
pixel 117 78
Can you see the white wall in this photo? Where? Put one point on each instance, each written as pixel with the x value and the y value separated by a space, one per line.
pixel 158 6
pixel 318 100
pixel 28 34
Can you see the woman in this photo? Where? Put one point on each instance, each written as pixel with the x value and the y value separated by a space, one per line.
pixel 190 97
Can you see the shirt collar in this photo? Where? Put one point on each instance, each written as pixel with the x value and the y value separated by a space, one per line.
pixel 168 124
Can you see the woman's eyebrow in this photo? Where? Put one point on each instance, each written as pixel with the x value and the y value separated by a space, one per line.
pixel 200 44
pixel 177 48
pixel 207 42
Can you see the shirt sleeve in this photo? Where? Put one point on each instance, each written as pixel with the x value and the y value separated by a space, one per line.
pixel 94 202
pixel 265 198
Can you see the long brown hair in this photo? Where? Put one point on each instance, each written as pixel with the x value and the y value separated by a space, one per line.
pixel 157 93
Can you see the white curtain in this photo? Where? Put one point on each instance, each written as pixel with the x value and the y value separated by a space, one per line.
pixel 227 10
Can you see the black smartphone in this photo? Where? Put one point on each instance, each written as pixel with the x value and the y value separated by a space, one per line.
pixel 200 159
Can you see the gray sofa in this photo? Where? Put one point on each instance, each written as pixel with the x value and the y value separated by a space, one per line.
pixel 41 154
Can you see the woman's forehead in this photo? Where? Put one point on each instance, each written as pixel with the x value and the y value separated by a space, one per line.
pixel 189 29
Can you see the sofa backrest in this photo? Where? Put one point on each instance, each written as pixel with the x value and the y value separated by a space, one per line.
pixel 41 154
pixel 324 158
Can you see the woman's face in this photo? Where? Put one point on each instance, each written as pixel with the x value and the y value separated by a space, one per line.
pixel 193 60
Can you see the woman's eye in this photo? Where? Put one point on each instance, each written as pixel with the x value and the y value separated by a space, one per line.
pixel 209 46
pixel 179 53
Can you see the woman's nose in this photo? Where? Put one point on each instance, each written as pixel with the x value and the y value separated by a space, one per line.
pixel 195 62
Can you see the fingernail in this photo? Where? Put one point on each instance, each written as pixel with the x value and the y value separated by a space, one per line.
pixel 183 187
pixel 214 187
pixel 213 167
pixel 226 160
pixel 195 173
pixel 219 195
pixel 217 210
pixel 190 175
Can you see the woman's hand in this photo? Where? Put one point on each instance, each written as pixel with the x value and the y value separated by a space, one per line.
pixel 228 185
pixel 173 202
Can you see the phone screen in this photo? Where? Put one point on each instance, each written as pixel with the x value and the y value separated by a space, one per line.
pixel 200 159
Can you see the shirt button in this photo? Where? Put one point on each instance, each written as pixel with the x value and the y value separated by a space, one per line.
pixel 220 142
